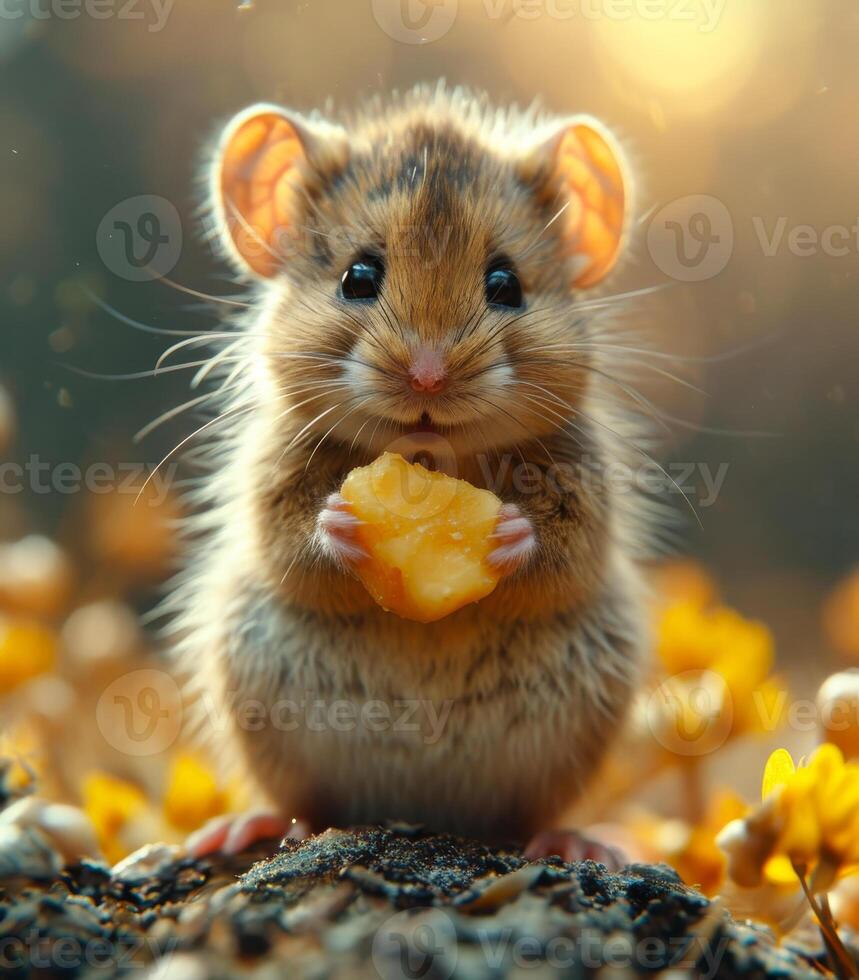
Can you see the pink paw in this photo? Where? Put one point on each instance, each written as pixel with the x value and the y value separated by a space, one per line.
pixel 236 832
pixel 336 531
pixel 571 846
pixel 517 541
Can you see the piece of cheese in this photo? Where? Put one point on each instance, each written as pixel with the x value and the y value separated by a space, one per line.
pixel 427 534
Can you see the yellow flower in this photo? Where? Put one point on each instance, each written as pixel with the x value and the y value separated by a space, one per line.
pixel 193 794
pixel 807 823
pixel 731 657
pixel 27 649
pixel 110 804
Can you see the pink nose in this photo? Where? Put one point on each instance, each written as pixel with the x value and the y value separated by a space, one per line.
pixel 427 371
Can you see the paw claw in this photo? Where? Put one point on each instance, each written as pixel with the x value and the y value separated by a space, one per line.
pixel 516 538
pixel 336 528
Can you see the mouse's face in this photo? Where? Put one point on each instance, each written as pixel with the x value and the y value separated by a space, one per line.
pixel 431 273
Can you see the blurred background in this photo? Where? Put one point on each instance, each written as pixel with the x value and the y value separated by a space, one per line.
pixel 739 121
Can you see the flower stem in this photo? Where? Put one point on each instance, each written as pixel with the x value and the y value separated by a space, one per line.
pixel 842 962
pixel 693 787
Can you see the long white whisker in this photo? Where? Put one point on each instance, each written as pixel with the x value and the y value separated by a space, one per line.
pixel 222 357
pixel 635 448
pixel 231 413
pixel 308 426
pixel 172 413
pixel 351 411
pixel 136 324
pixel 135 375
pixel 226 300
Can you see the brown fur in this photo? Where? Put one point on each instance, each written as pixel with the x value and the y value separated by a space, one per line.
pixel 538 675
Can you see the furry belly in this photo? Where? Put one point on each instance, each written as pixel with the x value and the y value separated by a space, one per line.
pixel 447 765
pixel 481 728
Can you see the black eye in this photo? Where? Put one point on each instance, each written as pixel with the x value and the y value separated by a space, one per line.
pixel 363 279
pixel 502 286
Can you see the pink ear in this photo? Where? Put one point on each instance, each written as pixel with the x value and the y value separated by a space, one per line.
pixel 266 156
pixel 258 167
pixel 587 165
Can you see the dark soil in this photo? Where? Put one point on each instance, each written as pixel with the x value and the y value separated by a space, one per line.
pixel 375 902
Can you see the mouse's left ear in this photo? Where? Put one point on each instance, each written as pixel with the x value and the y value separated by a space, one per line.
pixel 579 170
pixel 268 162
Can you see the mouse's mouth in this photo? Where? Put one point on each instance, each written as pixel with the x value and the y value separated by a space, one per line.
pixel 425 424
pixel 423 442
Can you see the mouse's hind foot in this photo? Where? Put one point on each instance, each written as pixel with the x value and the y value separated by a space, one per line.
pixel 232 833
pixel 572 846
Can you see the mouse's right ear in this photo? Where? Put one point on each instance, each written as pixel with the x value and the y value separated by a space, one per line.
pixel 579 170
pixel 267 158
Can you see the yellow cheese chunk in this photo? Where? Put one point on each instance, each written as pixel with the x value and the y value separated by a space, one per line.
pixel 427 535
